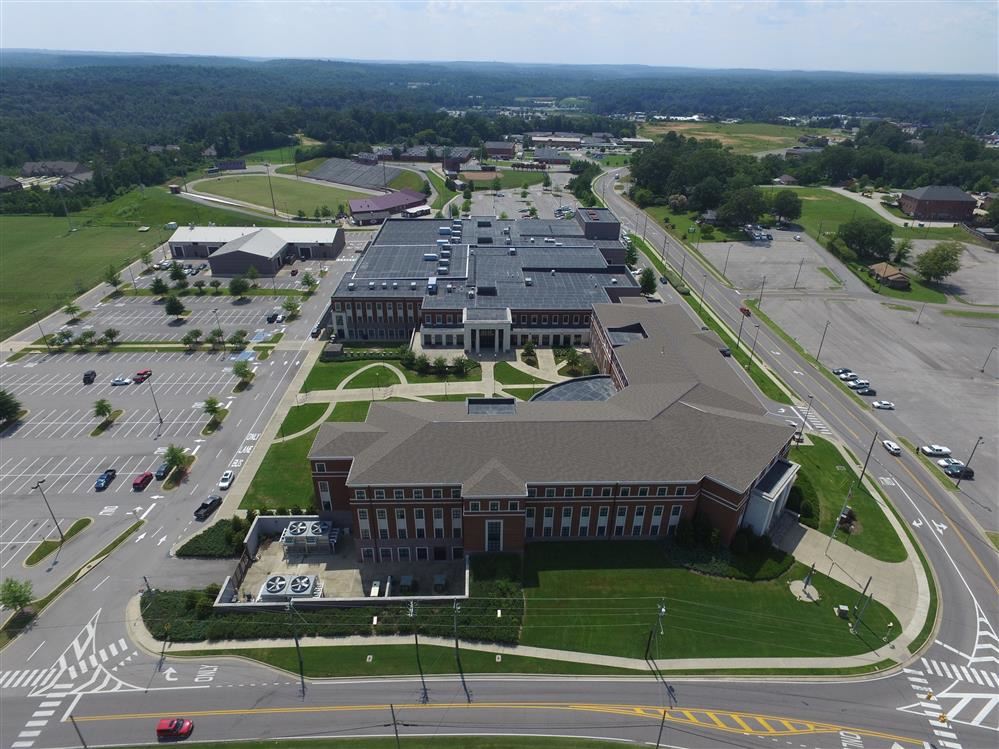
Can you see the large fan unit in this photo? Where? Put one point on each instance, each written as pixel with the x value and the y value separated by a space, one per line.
pixel 298 527
pixel 301 585
pixel 274 588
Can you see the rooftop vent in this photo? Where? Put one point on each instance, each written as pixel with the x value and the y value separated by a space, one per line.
pixel 512 250
pixel 553 271
pixel 384 284
pixel 412 284
pixel 450 288
pixel 350 286
pixel 371 284
pixel 528 281
pixel 471 293
pixel 613 282
pixel 395 284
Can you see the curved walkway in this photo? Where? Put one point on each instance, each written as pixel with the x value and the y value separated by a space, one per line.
pixel 875 205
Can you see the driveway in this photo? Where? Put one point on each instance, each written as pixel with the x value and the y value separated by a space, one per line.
pixel 874 203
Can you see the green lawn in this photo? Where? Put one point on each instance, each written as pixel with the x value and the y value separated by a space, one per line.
pixel 407 180
pixel 48 546
pixel 994 538
pixel 511 179
pixel 300 417
pixel 443 194
pixel 283 155
pixel 522 393
pixel 302 168
pixel 918 291
pixel 290 195
pixel 824 485
pixel 377 376
pixel 971 314
pixel 743 137
pixel 350 411
pixel 602 597
pixel 283 479
pixel 613 160
pixel 328 375
pixel 390 660
pixel 506 374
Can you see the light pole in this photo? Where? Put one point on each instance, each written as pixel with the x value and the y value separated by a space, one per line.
pixel 854 485
pixel 987 358
pixel 798 274
pixel 960 476
pixel 700 301
pixel 683 263
pixel 763 285
pixel 218 326
pixel 801 432
pixel 823 340
pixel 725 267
pixel 155 404
pixel 267 168
pixel 920 312
pixel 753 351
pixel 34 313
pixel 38 486
pixel 738 338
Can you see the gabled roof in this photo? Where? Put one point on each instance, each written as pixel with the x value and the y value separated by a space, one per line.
pixel 948 193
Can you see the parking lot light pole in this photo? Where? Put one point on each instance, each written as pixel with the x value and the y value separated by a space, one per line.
pixel 753 352
pixel 34 313
pixel 725 267
pixel 738 338
pixel 991 351
pixel 700 300
pixel 155 404
pixel 218 326
pixel 960 476
pixel 823 340
pixel 804 421
pixel 763 285
pixel 38 486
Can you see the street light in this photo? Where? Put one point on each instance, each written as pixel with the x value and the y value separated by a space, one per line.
pixel 801 432
pixel 725 267
pixel 751 353
pixel 34 313
pixel 987 358
pixel 738 338
pixel 700 301
pixel 960 476
pixel 819 353
pixel 155 404
pixel 218 326
pixel 38 486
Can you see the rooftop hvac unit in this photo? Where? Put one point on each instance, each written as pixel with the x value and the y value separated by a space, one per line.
pixel 412 284
pixel 371 284
pixel 614 282
pixel 532 240
pixel 528 281
pixel 395 284
pixel 384 284
pixel 553 271
pixel 301 585
pixel 450 288
pixel 471 293
pixel 298 527
pixel 508 240
pixel 350 286
pixel 273 589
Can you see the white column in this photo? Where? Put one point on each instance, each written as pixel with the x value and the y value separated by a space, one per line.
pixel 496 337
pixel 475 340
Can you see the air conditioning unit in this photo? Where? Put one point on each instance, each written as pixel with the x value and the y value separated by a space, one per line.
pixel 371 284
pixel 350 286
pixel 298 527
pixel 273 589
pixel 301 586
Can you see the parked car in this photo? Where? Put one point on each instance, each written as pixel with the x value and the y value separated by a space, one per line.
pixel 105 479
pixel 89 376
pixel 849 376
pixel 121 381
pixel 892 447
pixel 867 391
pixel 935 451
pixel 227 478
pixel 316 331
pixel 272 317
pixel 202 266
pixel 949 462
pixel 162 472
pixel 745 311
pixel 858 384
pixel 141 481
pixel 884 405
pixel 726 352
pixel 797 237
pixel 279 318
pixel 142 375
pixel 207 507
pixel 294 271
pixel 960 472
pixel 174 728
pixel 841 371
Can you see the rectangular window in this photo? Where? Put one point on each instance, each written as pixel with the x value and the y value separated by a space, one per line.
pixel 418 514
pixel 365 533
pixel 438 513
pixel 402 532
pixel 565 531
pixel 640 511
pixel 575 319
pixel 549 512
pixel 437 493
pixel 494 535
pixel 547 531
pixel 417 493
pixel 605 491
pixel 368 554
pixel 379 494
pixel 494 507
pixel 661 491
pixel 381 514
pixel 534 319
pixel 403 552
pixel 456 494
pixel 399 494
pixel 362 515
pixel 587 491
pixel 473 506
pixel 456 514
pixel 570 492
pixel 320 468
pixel 523 319
pixel 400 515
pixel 566 512
pixel 513 506
pixel 532 492
pixel 450 319
pixel 680 491
pixel 565 319
pixel 625 491
pixel 550 491
pixel 643 491
pixel 422 553
pixel 360 494
pixel 657 511
pixel 622 512
pixel 383 533
pixel 586 319
pixel 440 319
pixel 544 319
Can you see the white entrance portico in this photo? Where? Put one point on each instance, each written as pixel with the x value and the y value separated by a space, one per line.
pixel 487 328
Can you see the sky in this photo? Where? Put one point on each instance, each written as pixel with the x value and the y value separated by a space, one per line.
pixel 909 36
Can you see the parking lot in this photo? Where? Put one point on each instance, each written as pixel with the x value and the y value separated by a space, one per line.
pixel 485 202
pixel 76 474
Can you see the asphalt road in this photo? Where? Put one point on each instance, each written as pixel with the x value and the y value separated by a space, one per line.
pixel 78 658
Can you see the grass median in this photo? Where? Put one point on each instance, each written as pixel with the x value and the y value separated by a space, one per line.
pixel 48 546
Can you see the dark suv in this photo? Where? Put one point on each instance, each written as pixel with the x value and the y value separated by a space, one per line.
pixel 89 376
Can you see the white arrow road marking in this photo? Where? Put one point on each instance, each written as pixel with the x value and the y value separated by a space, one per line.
pixel 157 496
pixel 917 523
pixel 170 672
pixel 195 450
pixel 161 540
pixel 139 538
pixel 939 527
pixel 800 374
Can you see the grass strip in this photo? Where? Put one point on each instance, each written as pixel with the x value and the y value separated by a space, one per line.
pixel 106 424
pixel 23 618
pixel 764 380
pixel 301 417
pixel 444 196
pixel 215 422
pixel 48 546
pixel 994 538
pixel 832 276
pixel 282 479
pixel 934 469
pixel 970 313
pixel 400 660
pixel 350 411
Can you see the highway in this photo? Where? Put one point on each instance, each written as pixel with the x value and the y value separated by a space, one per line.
pixel 78 659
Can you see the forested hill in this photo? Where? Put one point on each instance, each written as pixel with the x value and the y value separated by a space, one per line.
pixel 52 104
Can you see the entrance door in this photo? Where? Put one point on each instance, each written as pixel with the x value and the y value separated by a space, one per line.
pixel 487 340
pixel 305 253
pixel 494 535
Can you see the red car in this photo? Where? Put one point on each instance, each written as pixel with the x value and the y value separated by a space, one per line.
pixel 745 311
pixel 141 481
pixel 174 728
pixel 142 375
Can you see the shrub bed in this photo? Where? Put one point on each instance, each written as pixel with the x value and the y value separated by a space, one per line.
pixel 223 540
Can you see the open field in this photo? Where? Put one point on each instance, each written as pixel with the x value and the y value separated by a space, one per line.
pixel 595 596
pixel 743 137
pixel 302 168
pixel 284 155
pixel 290 196
pixel 406 180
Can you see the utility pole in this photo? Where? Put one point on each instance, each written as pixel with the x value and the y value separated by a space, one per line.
pixel 77 728
pixel 763 285
pixel 819 352
pixel 700 300
pixel 683 263
pixel 395 727
pixel 798 274
pixel 846 502
pixel 38 486
pixel 753 352
pixel 960 477
pixel 991 351
pixel 267 168
pixel 738 338
pixel 34 313
pixel 218 326
pixel 805 420
pixel 921 308
pixel 725 267
pixel 424 697
pixel 860 616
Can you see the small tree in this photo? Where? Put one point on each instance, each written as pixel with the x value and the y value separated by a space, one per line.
pixel 237 340
pixel 10 406
pixel 440 366
pixel 241 370
pixel 212 407
pixel 529 351
pixel 180 285
pixel 573 359
pixel 648 281
pixel 16 594
pixel 146 258
pixel 200 286
pixel 291 307
pixel 177 272
pixel 461 366
pixel 238 286
pixel 422 364
pixel 903 249
pixel 630 254
pixel 497 184
pixel 309 281
pixel 159 286
pixel 85 338
pixel 73 310
pixel 787 205
pixel 427 190
pixel 175 457
pixel 63 338
pixel 215 284
pixel 216 337
pixel 112 277
pixel 252 274
pixel 546 181
pixel 111 335
pixel 191 338
pixel 174 307
pixel 103 409
pixel 940 261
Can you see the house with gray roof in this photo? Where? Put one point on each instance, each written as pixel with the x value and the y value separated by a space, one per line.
pixel 938 203
pixel 667 431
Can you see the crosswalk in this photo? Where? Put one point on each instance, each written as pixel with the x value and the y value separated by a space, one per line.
pixel 26 678
pixel 962 673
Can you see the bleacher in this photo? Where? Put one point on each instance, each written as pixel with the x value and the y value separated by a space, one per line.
pixel 346 172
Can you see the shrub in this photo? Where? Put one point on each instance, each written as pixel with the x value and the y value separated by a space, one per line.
pixel 220 541
pixel 740 544
pixel 807 511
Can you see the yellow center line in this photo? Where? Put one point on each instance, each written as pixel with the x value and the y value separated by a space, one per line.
pixel 687 717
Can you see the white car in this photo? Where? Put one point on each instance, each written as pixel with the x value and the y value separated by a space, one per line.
pixel 121 381
pixel 797 237
pixel 226 481
pixel 859 384
pixel 848 376
pixel 885 405
pixel 936 451
pixel 948 462
pixel 892 447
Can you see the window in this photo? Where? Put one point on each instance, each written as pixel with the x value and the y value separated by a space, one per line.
pixel 586 319
pixel 437 493
pixel 418 514
pixel 494 507
pixel 565 319
pixel 625 491
pixel 362 515
pixel 657 511
pixel 438 513
pixel 549 512
pixel 320 468
pixel 365 534
pixel 381 514
pixel 587 491
pixel 417 493
pixel 534 319
pixel 550 491
pixel 385 554
pixel 532 492
pixel 440 319
pixel 422 553
pixel 622 512
pixel 513 506
pixel 643 491
pixel 383 533
pixel 570 492
pixel 324 496
pixel 473 506
pixel 399 494
pixel 680 491
pixel 494 535
pixel 450 319
pixel 360 494
pixel 457 552
pixel 400 515
pixel 547 531
pixel 575 319
pixel 605 491
pixel 403 552
pixel 368 554
pixel 544 319
pixel 523 319
pixel 566 512
pixel 661 491
pixel 456 494
pixel 379 494
pixel 456 514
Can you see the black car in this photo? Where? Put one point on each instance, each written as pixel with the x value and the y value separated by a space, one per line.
pixel 162 472
pixel 316 331
pixel 89 376
pixel 960 472
pixel 841 370
pixel 272 317
pixel 207 507
pixel 663 280
pixel 105 479
pixel 866 391
pixel 725 351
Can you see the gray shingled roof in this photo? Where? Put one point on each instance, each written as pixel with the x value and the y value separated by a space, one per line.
pixel 685 415
pixel 947 193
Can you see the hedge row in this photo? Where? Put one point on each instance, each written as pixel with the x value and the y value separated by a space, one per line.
pixel 223 540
